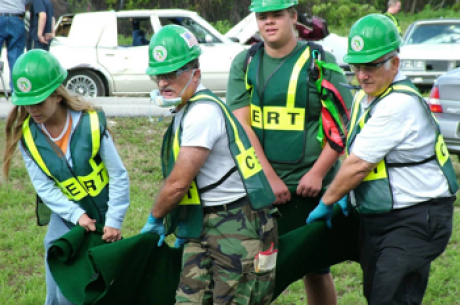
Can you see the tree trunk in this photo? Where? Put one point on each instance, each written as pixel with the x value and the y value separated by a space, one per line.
pixel 414 4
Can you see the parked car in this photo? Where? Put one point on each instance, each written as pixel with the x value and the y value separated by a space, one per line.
pixel 444 102
pixel 431 48
pixel 247 32
pixel 106 53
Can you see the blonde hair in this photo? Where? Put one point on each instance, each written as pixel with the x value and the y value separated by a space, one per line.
pixel 18 115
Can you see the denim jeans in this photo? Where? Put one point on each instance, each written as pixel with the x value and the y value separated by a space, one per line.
pixel 56 229
pixel 13 32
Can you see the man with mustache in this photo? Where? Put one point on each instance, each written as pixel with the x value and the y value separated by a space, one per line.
pixel 215 198
pixel 398 167
pixel 278 103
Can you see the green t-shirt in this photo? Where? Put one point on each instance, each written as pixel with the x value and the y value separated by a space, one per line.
pixel 238 97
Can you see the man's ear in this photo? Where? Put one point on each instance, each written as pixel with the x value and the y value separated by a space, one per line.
pixel 395 63
pixel 197 75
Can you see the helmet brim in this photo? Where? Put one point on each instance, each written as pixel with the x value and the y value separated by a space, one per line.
pixel 271 8
pixel 19 100
pixel 362 59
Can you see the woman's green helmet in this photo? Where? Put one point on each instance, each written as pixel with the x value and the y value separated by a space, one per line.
pixel 260 6
pixel 36 74
pixel 371 37
pixel 172 48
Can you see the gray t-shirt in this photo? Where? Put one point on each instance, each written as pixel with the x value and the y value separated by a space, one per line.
pixel 13 6
pixel 204 126
pixel 400 130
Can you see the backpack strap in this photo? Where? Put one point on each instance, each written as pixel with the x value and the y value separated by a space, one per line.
pixel 250 54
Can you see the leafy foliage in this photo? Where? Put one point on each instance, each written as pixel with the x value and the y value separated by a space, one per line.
pixel 339 14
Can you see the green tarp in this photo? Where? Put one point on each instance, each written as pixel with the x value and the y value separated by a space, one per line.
pixel 135 271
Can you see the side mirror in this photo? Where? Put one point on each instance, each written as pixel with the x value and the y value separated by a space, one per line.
pixel 234 39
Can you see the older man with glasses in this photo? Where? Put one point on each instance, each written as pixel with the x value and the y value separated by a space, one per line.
pixel 215 199
pixel 398 171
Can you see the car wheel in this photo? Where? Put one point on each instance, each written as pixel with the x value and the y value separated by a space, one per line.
pixel 85 83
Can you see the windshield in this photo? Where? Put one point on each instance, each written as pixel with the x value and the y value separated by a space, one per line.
pixel 199 31
pixel 435 34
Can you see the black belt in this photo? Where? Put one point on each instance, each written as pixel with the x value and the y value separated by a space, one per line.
pixel 12 14
pixel 225 207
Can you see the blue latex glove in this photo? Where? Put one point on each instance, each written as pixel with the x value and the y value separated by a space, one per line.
pixel 154 225
pixel 321 211
pixel 343 205
pixel 179 242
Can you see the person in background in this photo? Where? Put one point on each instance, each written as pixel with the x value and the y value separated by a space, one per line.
pixel 12 30
pixel 42 23
pixel 68 153
pixel 394 6
pixel 398 170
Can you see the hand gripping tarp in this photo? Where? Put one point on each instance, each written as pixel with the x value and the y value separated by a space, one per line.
pixel 135 271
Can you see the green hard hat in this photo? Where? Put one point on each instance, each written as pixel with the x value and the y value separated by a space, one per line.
pixel 260 6
pixel 371 37
pixel 171 48
pixel 36 74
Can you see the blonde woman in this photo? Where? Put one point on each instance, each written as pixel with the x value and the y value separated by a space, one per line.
pixel 69 155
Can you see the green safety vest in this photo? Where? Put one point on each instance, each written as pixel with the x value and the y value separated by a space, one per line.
pixel 395 21
pixel 186 220
pixel 373 194
pixel 86 183
pixel 279 113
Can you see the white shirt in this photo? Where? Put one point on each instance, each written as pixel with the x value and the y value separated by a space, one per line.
pixel 400 130
pixel 204 126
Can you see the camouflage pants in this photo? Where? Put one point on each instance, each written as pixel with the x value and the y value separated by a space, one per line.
pixel 219 267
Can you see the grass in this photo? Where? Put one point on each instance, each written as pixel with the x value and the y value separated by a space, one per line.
pixel 22 276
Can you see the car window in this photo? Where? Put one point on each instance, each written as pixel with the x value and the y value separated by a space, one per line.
pixel 197 29
pixel 435 34
pixel 134 32
pixel 63 27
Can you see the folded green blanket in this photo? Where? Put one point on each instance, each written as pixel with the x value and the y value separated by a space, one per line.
pixel 136 271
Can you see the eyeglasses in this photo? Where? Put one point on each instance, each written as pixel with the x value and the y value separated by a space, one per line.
pixel 171 76
pixel 368 67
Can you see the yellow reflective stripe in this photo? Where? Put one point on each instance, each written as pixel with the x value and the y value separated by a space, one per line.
pixel 176 146
pixel 377 173
pixel 247 160
pixel 291 93
pixel 92 184
pixel 33 148
pixel 278 118
pixel 256 114
pixel 95 182
pixel 73 189
pixel 248 86
pixel 388 91
pixel 235 130
pixel 191 197
pixel 406 88
pixel 248 163
pixel 442 154
pixel 359 96
pixel 95 132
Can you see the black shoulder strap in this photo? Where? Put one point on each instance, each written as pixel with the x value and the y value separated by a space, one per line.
pixel 250 54
pixel 221 180
pixel 314 72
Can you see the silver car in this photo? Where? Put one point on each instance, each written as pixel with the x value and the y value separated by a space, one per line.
pixel 431 48
pixel 444 102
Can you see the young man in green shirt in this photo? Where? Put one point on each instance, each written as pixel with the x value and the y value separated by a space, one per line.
pixel 278 104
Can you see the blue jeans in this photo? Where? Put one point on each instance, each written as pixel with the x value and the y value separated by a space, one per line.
pixel 13 32
pixel 56 229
